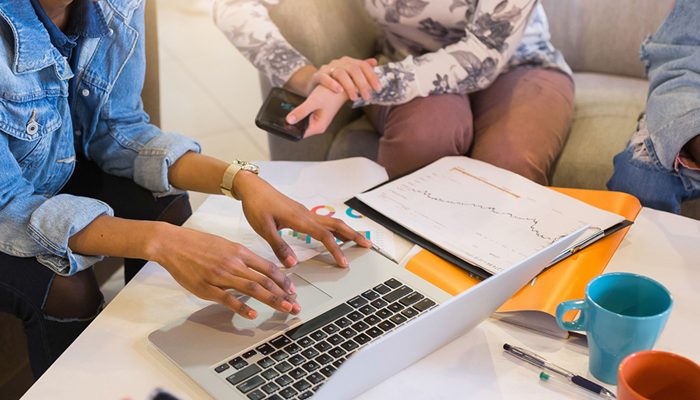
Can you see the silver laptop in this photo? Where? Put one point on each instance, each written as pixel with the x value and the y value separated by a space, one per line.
pixel 354 330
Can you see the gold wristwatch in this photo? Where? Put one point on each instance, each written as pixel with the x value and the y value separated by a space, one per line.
pixel 230 174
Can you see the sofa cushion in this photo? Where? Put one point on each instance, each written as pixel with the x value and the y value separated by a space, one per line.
pixel 605 116
pixel 602 35
pixel 357 139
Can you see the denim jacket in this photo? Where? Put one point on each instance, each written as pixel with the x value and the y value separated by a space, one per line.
pixel 672 58
pixel 40 132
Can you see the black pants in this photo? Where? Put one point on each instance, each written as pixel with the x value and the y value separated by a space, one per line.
pixel 55 310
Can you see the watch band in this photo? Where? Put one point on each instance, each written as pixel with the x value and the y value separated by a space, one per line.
pixel 230 173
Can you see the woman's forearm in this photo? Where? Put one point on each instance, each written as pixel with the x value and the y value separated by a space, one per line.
pixel 301 81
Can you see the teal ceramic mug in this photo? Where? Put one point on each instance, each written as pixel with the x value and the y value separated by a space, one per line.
pixel 622 313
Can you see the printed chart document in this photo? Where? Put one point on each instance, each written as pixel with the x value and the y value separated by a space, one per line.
pixel 484 215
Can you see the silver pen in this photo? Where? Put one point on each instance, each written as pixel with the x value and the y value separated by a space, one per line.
pixel 383 253
pixel 540 362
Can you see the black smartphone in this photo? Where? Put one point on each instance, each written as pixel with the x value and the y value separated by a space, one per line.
pixel 273 113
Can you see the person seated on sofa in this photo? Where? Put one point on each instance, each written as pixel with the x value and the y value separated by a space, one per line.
pixel 466 77
pixel 76 148
pixel 661 164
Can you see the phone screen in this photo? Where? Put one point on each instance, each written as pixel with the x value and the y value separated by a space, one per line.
pixel 272 116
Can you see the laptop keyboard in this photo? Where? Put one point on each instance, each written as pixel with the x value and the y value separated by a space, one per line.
pixel 294 364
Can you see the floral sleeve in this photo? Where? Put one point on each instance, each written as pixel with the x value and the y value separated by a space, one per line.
pixel 247 24
pixel 472 63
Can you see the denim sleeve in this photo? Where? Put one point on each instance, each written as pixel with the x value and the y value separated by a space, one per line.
pixel 125 143
pixel 34 226
pixel 672 57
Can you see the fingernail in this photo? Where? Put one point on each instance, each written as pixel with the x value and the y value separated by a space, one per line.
pixel 287 306
pixel 252 314
pixel 344 262
pixel 296 309
pixel 291 119
pixel 290 261
pixel 292 288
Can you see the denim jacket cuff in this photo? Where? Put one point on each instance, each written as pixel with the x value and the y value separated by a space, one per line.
pixel 671 138
pixel 55 221
pixel 155 158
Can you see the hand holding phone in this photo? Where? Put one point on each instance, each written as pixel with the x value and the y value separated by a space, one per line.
pixel 273 113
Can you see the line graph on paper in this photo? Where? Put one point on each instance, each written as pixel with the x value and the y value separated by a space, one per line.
pixel 482 214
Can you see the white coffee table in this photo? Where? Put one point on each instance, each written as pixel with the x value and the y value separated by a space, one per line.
pixel 113 360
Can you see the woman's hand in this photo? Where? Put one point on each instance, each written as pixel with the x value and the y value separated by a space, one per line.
pixel 209 265
pixel 356 77
pixel 323 105
pixel 268 211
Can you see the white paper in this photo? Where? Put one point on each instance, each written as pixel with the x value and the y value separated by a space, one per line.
pixel 482 214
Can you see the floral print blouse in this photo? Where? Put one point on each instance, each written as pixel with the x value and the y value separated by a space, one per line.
pixel 435 46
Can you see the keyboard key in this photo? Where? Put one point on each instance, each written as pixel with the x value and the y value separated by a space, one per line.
pixel 270 387
pixel 243 374
pixel 279 355
pixel 357 302
pixel 382 289
pixel 335 340
pixel 318 335
pixel 424 305
pixel 283 367
pixel 319 321
pixel 379 303
pixel 284 380
pixel 280 341
pixel 330 329
pixel 337 352
pixel 297 373
pixel 301 385
pixel 324 358
pixel 384 313
pixel 396 307
pixel 249 353
pixel 397 294
pixel 311 366
pixel 374 332
pixel 274 397
pixel 310 353
pixel 315 378
pixel 266 362
pixel 265 349
pixel 347 333
pixel 322 346
pixel 393 283
pixel 367 310
pixel 398 319
pixel 292 348
pixel 350 345
pixel 238 363
pixel 306 395
pixel 343 322
pixel 337 363
pixel 372 319
pixel 296 359
pixel 256 395
pixel 270 374
pixel 221 368
pixel 409 312
pixel 386 325
pixel 355 316
pixel 362 339
pixel 327 371
pixel 370 295
pixel 411 298
pixel 305 341
pixel 288 393
pixel 359 326
pixel 250 384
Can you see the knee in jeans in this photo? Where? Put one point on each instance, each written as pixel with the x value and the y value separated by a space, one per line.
pixel 74 297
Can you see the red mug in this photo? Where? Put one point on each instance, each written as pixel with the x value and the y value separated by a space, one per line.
pixel 657 375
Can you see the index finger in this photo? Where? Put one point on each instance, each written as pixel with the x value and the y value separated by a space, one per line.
pixel 325 236
pixel 268 269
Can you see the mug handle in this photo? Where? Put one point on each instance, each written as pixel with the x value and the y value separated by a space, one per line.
pixel 566 306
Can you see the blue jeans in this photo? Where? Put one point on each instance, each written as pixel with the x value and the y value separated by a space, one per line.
pixel 654 185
